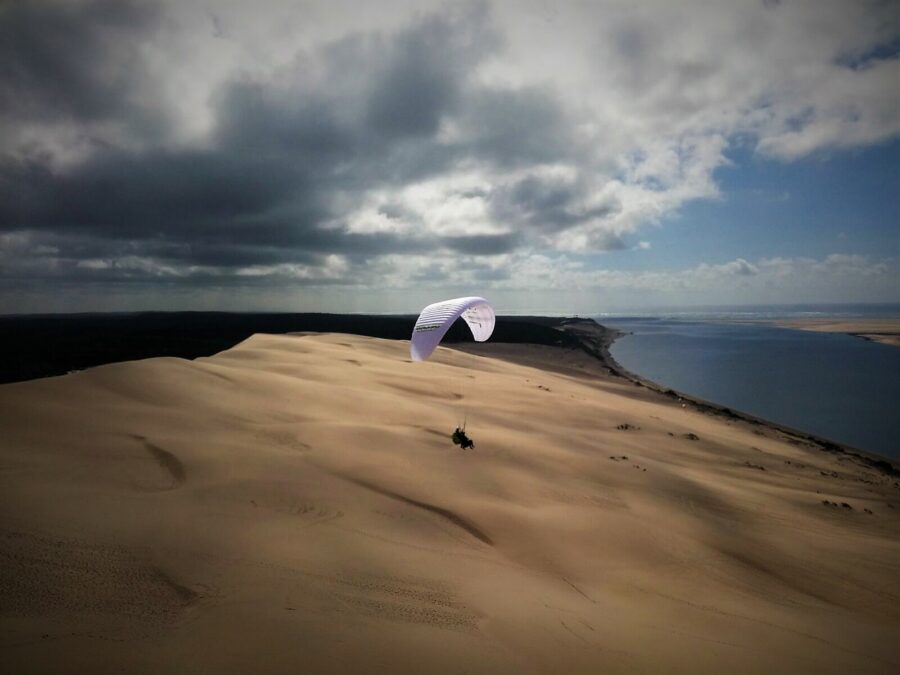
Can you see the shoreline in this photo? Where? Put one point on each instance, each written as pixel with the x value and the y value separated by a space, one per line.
pixel 597 344
pixel 595 340
pixel 882 330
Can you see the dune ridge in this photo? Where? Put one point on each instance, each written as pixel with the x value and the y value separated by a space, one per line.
pixel 294 504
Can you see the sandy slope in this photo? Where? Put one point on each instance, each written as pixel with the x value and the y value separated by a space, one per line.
pixel 295 505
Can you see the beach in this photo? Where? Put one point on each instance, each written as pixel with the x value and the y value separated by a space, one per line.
pixel 886 331
pixel 294 504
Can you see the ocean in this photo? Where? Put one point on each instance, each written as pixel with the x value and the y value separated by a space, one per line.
pixel 837 386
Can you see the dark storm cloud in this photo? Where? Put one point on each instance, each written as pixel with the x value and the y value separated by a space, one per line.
pixel 254 119
pixel 604 240
pixel 121 194
pixel 366 108
pixel 517 127
pixel 486 274
pixel 546 205
pixel 481 271
pixel 420 79
pixel 286 157
pixel 60 60
pixel 482 244
pixel 430 274
pixel 396 211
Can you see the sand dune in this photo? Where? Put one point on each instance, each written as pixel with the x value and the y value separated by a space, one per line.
pixel 294 504
pixel 886 331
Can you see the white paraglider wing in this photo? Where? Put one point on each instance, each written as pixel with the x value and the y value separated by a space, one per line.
pixel 435 320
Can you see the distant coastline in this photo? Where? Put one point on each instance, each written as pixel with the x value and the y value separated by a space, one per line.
pixel 597 339
pixel 832 384
pixel 886 331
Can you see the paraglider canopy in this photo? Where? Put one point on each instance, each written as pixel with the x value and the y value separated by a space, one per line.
pixel 436 319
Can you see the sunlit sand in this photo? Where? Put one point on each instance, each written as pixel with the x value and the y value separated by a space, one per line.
pixel 295 505
pixel 886 331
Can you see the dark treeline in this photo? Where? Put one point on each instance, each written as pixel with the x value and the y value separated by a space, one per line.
pixel 48 345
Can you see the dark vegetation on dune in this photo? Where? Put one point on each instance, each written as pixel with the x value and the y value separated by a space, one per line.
pixel 48 345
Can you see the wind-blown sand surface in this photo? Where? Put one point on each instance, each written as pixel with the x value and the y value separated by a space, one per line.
pixel 294 505
pixel 886 331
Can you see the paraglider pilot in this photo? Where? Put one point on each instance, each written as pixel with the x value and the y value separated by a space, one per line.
pixel 459 438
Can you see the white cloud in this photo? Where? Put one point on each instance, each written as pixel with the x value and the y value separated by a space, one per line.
pixel 834 278
pixel 656 90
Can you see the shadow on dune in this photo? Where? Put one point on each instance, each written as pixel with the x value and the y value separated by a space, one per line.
pixel 454 518
pixel 167 461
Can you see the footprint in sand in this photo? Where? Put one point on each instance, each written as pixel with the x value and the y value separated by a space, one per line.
pixel 52 579
pixel 284 439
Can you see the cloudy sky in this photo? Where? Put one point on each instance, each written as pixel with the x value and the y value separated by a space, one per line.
pixel 346 156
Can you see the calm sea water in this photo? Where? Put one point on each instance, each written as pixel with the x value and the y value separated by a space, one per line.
pixel 836 386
